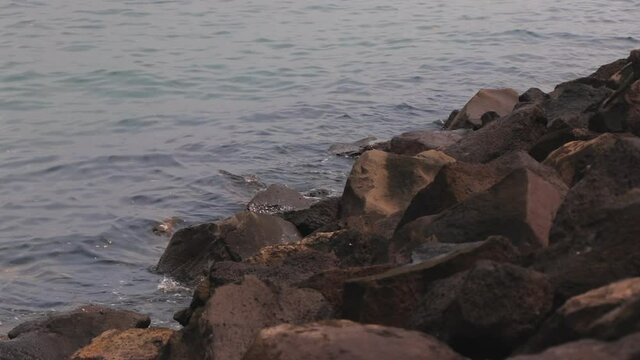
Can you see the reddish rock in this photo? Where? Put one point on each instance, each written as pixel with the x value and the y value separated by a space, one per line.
pixel 59 335
pixel 391 297
pixel 345 340
pixel 519 130
pixel 605 313
pixel 627 348
pixel 131 344
pixel 485 311
pixel 500 101
pixel 415 142
pixel 191 249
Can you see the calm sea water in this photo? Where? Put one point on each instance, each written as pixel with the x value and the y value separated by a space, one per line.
pixel 116 114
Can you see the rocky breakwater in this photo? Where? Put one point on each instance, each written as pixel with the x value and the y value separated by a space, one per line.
pixel 511 233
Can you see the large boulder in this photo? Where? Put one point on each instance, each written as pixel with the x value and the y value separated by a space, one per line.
pixel 556 138
pixel 521 207
pixel 519 130
pixel 568 103
pixel 383 184
pixel 627 348
pixel 605 313
pixel 457 181
pixel 131 344
pixel 485 311
pixel 415 142
pixel 277 199
pixel 499 101
pixel 191 249
pixel 319 215
pixel 345 340
pixel 59 335
pixel 390 298
pixel 235 313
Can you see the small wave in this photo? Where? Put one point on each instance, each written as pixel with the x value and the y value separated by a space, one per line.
pixel 169 285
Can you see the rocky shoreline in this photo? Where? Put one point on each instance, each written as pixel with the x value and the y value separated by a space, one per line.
pixel 512 232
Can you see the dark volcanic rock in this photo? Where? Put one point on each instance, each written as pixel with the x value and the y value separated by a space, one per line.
pixel 532 96
pixel 485 311
pixel 555 139
pixel 191 249
pixel 569 101
pixel 319 215
pixel 382 184
pixel 519 130
pixel 521 207
pixel 357 148
pixel 58 336
pixel 606 313
pixel 391 297
pixel 346 340
pixel 627 348
pixel 499 101
pixel 278 199
pixel 605 72
pixel 415 142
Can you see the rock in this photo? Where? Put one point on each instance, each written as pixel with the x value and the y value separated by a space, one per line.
pixel 457 181
pixel 555 139
pixel 391 297
pixel 59 335
pixel 356 148
pixel 331 282
pixel 277 199
pixel 627 348
pixel 532 96
pixel 620 112
pixel 519 130
pixel 414 142
pixel 605 72
pixel 345 340
pixel 594 314
pixel 485 311
pixel 500 101
pixel 131 344
pixel 191 249
pixel 320 214
pixel 602 248
pixel 520 207
pixel 235 313
pixel 356 248
pixel 383 184
pixel 568 102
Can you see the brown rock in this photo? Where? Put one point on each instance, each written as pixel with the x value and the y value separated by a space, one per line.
pixel 555 139
pixel 391 297
pixel 319 215
pixel 59 335
pixel 605 72
pixel 415 142
pixel 485 311
pixel 521 207
pixel 594 314
pixel 627 348
pixel 132 344
pixel 277 199
pixel 500 101
pixel 345 340
pixel 519 130
pixel 191 249
pixel 382 184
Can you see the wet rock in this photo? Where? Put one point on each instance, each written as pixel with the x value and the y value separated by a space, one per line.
pixel 519 130
pixel 555 139
pixel 391 297
pixel 131 344
pixel 319 215
pixel 357 148
pixel 520 207
pixel 485 311
pixel 345 340
pixel 595 314
pixel 569 101
pixel 383 184
pixel 500 101
pixel 59 335
pixel 627 348
pixel 331 282
pixel 277 199
pixel 235 313
pixel 415 142
pixel 191 249
pixel 457 181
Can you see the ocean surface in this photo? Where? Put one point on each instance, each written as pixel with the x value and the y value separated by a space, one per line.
pixel 117 114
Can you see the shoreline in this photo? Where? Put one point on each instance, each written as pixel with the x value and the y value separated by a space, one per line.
pixel 481 240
